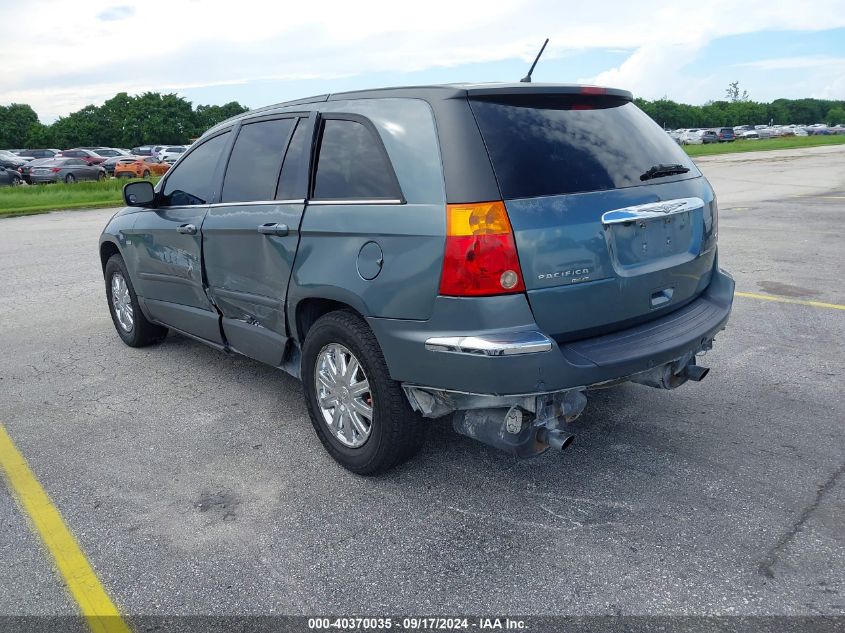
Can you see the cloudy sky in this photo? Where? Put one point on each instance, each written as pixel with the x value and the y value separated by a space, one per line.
pixel 59 55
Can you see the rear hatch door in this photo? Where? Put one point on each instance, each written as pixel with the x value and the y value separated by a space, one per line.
pixel 614 224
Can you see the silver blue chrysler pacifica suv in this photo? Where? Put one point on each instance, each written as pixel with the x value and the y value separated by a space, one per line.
pixel 491 252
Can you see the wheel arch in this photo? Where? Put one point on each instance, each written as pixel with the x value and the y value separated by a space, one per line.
pixel 108 249
pixel 308 310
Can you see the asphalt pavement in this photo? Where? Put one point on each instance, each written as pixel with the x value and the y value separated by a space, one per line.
pixel 194 483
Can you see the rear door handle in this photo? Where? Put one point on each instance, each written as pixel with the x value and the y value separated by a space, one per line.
pixel 274 229
pixel 187 229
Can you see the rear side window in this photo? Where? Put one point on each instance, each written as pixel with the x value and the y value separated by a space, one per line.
pixel 293 179
pixel 352 164
pixel 192 181
pixel 558 144
pixel 256 161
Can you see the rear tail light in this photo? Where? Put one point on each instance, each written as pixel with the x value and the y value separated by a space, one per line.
pixel 55 170
pixel 480 257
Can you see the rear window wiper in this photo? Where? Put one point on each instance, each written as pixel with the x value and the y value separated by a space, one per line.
pixel 664 170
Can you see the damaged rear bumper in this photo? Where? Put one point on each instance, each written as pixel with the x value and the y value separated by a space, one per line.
pixel 660 353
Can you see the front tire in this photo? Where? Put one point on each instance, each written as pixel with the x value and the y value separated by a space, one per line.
pixel 146 174
pixel 360 414
pixel 131 324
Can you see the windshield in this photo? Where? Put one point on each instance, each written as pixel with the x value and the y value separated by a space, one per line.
pixel 557 144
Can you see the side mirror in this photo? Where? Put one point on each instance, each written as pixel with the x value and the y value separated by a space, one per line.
pixel 139 194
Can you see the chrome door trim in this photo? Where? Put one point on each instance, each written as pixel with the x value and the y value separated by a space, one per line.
pixel 349 202
pixel 252 203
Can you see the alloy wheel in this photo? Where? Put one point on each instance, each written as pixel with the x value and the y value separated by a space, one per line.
pixel 343 395
pixel 122 303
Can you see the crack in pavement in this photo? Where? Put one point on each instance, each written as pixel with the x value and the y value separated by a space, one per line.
pixel 769 560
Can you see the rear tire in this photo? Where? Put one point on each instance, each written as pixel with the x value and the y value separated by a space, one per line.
pixel 395 431
pixel 131 324
pixel 146 174
pixel 70 179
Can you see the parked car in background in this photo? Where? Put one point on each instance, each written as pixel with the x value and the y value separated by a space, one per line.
pixel 726 135
pixel 27 167
pixel 68 170
pixel 709 136
pixel 86 155
pixel 110 163
pixel 143 150
pixel 109 152
pixel 691 136
pixel 9 177
pixel 171 153
pixel 818 129
pixel 432 273
pixel 675 135
pixel 38 153
pixel 140 167
pixel 13 161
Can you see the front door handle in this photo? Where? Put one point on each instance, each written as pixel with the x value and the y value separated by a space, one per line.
pixel 274 229
pixel 187 229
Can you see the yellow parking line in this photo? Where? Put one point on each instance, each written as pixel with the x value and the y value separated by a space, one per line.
pixel 803 302
pixel 96 606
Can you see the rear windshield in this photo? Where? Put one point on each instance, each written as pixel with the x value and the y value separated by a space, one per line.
pixel 557 144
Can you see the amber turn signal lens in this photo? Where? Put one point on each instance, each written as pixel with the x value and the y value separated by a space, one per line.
pixel 482 218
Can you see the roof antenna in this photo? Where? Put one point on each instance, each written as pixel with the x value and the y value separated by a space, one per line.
pixel 527 78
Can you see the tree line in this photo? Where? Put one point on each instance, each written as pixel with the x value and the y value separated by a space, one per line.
pixel 129 121
pixel 742 111
pixel 122 121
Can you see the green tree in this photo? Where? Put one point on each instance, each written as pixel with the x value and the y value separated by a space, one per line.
pixel 836 116
pixel 207 116
pixel 15 121
pixel 732 93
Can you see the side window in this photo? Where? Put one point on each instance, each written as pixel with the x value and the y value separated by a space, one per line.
pixel 253 170
pixel 295 167
pixel 192 182
pixel 352 164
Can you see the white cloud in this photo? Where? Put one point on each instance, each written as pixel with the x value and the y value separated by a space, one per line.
pixel 809 61
pixel 59 55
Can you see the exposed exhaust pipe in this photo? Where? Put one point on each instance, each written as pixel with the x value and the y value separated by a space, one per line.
pixel 555 438
pixel 497 427
pixel 696 372
pixel 668 377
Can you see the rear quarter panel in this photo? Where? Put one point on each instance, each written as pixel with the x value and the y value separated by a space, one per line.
pixel 411 235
